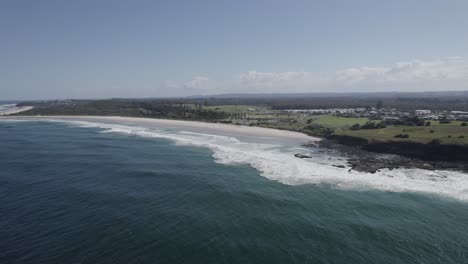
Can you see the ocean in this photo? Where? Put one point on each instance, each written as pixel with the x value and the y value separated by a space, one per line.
pixel 6 105
pixel 77 190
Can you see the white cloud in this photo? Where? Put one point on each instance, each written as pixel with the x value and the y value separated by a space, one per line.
pixel 415 75
pixel 399 76
pixel 452 68
pixel 359 74
pixel 197 83
pixel 271 77
pixel 291 81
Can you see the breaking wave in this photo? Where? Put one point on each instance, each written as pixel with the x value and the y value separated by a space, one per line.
pixel 277 162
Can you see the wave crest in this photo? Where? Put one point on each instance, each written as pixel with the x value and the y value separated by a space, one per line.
pixel 277 162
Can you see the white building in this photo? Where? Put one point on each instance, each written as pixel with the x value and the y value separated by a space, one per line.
pixel 422 112
pixel 458 113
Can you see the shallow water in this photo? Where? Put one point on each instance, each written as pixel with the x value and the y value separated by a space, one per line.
pixel 107 193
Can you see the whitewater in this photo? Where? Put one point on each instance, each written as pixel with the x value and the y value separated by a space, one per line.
pixel 271 152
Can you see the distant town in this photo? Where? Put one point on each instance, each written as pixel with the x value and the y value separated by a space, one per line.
pixel 384 113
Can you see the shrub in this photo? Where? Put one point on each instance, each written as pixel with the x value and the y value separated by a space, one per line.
pixel 327 132
pixel 444 121
pixel 368 125
pixel 464 124
pixel 449 136
pixel 402 136
pixel 435 142
pixel 381 125
pixel 406 121
pixel 428 123
pixel 313 127
pixel 414 121
pixel 432 131
pixel 461 136
pixel 355 127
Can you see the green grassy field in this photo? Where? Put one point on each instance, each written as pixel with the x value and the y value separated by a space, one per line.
pixel 232 108
pixel 452 133
pixel 446 134
pixel 339 122
pixel 453 123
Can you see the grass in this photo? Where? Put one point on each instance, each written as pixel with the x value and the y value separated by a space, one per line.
pixel 339 122
pixel 446 133
pixel 234 108
pixel 452 123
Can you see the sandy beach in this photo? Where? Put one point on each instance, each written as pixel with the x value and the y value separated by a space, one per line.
pixel 205 126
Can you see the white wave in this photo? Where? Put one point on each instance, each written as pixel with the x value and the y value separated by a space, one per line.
pixel 6 107
pixel 3 106
pixel 277 162
pixel 12 109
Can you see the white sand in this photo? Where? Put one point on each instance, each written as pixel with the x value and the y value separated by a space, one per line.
pixel 209 127
pixel 15 109
pixel 276 162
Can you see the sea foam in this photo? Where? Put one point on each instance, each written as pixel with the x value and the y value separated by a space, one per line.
pixel 277 162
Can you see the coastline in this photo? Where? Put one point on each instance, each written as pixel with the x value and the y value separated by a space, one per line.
pixel 246 130
pixel 359 157
pixel 374 156
pixel 15 110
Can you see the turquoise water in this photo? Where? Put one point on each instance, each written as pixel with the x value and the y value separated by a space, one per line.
pixel 75 195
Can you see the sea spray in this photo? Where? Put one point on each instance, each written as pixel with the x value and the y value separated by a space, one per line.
pixel 277 162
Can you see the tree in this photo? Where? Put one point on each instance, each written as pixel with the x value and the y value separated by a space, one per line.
pixel 444 121
pixel 355 127
pixel 381 124
pixel 379 104
pixel 428 123
pixel 368 125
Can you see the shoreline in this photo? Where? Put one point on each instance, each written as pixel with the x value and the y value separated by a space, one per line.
pixel 245 130
pixel 15 110
pixel 372 158
pixel 359 158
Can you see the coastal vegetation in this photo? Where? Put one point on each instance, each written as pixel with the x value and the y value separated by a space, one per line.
pixel 381 130
pixel 265 114
pixel 438 142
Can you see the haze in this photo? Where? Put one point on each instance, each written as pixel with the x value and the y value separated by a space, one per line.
pixel 102 49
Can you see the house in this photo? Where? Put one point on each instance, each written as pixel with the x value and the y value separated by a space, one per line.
pixel 431 117
pixel 458 113
pixel 422 112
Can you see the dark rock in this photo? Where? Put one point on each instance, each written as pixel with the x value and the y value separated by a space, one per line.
pixel 302 156
pixel 428 152
pixel 360 159
pixel 340 166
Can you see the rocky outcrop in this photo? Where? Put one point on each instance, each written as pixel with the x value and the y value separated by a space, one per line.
pixel 349 140
pixel 374 156
pixel 430 152
pixel 302 156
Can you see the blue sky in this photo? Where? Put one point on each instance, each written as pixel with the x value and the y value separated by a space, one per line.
pixel 135 48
